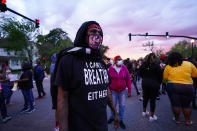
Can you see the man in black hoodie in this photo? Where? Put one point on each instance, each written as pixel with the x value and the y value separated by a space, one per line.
pixel 83 81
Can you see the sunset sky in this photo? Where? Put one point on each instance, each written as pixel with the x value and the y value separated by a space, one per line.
pixel 118 18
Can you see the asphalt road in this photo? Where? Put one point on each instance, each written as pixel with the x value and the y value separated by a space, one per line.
pixel 43 118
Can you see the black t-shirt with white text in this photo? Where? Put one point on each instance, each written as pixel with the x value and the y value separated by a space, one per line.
pixel 86 82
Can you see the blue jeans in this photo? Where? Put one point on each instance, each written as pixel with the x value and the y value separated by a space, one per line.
pixel 27 98
pixel 3 108
pixel 32 95
pixel 120 98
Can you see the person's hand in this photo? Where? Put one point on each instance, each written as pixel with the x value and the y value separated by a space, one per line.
pixel 129 94
pixel 116 121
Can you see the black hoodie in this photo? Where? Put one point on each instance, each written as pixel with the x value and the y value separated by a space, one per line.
pixel 83 74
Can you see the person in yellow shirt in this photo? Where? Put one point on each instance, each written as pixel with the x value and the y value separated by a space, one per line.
pixel 178 76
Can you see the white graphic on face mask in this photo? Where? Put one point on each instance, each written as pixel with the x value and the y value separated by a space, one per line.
pixel 95 74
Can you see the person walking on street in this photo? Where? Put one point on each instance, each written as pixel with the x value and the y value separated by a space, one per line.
pixel 39 77
pixel 151 75
pixel 178 76
pixel 121 79
pixel 82 81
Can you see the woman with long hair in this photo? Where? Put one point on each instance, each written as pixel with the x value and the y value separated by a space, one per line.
pixel 151 75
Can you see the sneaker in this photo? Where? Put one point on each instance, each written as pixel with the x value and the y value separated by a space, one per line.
pixel 122 125
pixel 37 98
pixel 110 120
pixel 141 98
pixel 177 122
pixel 31 110
pixel 145 113
pixel 8 105
pixel 158 98
pixel 24 110
pixel 6 119
pixel 56 129
pixel 153 118
pixel 34 103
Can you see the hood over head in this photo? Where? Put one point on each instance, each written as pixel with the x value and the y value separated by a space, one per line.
pixel 80 39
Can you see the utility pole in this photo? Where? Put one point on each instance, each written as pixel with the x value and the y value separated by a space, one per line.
pixel 4 8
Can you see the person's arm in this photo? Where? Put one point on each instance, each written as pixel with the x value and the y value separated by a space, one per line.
pixel 194 71
pixel 165 74
pixel 62 109
pixel 113 108
pixel 22 80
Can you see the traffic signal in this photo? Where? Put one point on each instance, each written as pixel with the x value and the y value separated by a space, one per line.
pixel 167 35
pixel 37 23
pixel 146 36
pixel 3 6
pixel 129 36
pixel 43 58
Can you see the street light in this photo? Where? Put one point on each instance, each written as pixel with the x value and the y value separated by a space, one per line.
pixel 167 35
pixel 146 35
pixel 192 41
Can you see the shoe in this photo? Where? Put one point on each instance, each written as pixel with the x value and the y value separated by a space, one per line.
pixel 110 120
pixel 37 98
pixel 34 103
pixel 31 110
pixel 145 113
pixel 6 119
pixel 177 122
pixel 44 94
pixel 189 123
pixel 158 98
pixel 141 98
pixel 8 105
pixel 153 118
pixel 24 110
pixel 56 129
pixel 122 125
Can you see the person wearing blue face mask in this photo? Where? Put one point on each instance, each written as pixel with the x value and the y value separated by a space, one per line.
pixel 82 80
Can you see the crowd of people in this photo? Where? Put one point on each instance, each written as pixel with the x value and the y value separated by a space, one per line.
pixel 83 84
pixel 24 82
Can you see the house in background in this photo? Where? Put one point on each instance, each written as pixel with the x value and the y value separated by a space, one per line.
pixel 11 58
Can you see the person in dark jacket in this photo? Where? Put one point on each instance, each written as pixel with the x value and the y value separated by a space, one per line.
pixel 83 81
pixel 39 77
pixel 25 83
pixel 151 75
